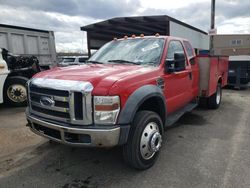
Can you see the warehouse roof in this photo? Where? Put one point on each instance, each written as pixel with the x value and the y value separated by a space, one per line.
pixel 136 25
pixel 101 32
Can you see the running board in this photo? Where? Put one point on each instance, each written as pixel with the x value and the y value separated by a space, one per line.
pixel 171 119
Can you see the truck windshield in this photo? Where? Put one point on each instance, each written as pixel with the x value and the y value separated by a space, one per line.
pixel 141 51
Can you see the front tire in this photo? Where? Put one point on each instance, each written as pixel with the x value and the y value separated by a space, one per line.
pixel 215 100
pixel 144 141
pixel 15 92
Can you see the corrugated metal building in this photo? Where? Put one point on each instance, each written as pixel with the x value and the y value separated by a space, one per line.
pixel 102 32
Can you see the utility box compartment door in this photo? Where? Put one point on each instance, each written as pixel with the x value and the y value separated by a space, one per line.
pixel 211 70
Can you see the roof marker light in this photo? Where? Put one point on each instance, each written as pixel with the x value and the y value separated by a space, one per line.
pixel 133 36
pixel 157 34
pixel 115 39
pixel 125 37
pixel 142 35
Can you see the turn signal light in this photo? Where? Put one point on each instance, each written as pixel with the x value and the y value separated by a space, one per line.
pixel 107 107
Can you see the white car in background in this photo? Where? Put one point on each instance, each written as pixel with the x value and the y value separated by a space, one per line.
pixel 72 60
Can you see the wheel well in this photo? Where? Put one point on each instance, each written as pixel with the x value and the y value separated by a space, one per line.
pixel 156 105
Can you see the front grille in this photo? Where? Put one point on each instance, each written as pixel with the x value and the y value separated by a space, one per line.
pixel 49 91
pixel 50 112
pixel 36 98
pixel 61 103
pixel 78 105
pixel 58 111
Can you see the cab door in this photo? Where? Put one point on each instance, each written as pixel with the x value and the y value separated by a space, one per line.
pixel 178 83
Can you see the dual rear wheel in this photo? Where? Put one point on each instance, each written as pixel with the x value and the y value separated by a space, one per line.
pixel 215 100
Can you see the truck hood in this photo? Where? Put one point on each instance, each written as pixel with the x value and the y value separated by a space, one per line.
pixel 102 77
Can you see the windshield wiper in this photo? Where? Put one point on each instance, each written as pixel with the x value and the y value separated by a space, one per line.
pixel 94 62
pixel 123 61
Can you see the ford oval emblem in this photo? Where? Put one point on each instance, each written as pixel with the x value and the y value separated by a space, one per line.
pixel 47 101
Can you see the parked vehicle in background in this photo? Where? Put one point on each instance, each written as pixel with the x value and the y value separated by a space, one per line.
pixel 14 74
pixel 125 94
pixel 72 60
pixel 4 71
pixel 29 42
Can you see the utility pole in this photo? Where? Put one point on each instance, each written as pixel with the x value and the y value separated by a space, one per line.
pixel 212 27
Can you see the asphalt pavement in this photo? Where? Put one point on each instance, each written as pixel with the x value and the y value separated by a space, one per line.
pixel 205 148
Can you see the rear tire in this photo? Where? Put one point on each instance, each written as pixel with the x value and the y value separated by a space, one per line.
pixel 15 92
pixel 215 100
pixel 144 141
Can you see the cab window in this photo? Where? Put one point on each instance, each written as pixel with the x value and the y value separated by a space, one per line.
pixel 174 46
pixel 190 52
pixel 189 49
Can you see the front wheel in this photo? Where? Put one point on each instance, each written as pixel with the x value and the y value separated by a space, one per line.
pixel 144 141
pixel 15 92
pixel 215 100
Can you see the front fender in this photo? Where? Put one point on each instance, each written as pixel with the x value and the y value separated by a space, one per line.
pixel 136 99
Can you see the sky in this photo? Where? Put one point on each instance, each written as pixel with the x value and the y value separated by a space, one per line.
pixel 65 17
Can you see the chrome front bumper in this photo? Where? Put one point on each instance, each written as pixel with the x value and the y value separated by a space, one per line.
pixel 74 136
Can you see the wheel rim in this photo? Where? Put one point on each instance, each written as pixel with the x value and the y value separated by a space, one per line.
pixel 218 95
pixel 17 93
pixel 150 141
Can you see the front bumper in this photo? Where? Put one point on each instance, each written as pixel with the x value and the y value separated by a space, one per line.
pixel 107 137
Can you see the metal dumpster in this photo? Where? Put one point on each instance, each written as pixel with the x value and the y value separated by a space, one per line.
pixel 239 71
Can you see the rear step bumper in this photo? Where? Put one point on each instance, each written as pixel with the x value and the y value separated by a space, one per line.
pixel 75 136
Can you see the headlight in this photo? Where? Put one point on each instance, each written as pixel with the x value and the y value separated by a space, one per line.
pixel 106 109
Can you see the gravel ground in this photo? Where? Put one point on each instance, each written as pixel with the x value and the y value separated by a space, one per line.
pixel 205 148
pixel 14 135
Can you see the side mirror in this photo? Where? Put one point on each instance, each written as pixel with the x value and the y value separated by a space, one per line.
pixel 180 61
pixel 176 64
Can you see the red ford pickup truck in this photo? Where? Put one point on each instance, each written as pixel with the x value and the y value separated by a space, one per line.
pixel 125 95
